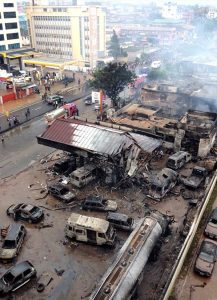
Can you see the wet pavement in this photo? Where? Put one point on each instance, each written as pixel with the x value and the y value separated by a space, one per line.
pixel 34 102
pixel 191 285
pixel 20 148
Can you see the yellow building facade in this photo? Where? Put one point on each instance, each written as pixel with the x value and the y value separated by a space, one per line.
pixel 70 32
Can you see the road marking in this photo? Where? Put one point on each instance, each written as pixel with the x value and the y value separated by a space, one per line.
pixel 38 108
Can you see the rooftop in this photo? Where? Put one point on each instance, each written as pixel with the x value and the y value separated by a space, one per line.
pixel 74 133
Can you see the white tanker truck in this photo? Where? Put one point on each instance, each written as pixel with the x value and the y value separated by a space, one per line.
pixel 121 279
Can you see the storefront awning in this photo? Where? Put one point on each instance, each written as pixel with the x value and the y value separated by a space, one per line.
pixel 18 53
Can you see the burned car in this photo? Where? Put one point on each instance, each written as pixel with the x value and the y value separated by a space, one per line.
pixel 162 183
pixel 16 277
pixel 196 178
pixel 13 242
pixel 211 227
pixel 61 192
pixel 120 221
pixel 25 212
pixel 98 203
pixel 65 166
pixel 206 258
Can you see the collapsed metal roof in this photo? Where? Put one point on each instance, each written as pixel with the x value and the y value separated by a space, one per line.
pixel 94 138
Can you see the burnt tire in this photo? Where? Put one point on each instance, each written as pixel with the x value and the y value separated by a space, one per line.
pixel 40 287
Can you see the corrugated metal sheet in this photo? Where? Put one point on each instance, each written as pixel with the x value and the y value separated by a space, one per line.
pixel 146 143
pixel 89 137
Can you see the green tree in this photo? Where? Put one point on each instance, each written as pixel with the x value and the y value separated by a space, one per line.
pixel 115 48
pixel 112 79
pixel 155 74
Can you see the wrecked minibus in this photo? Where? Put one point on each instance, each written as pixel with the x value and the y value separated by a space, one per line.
pixel 90 230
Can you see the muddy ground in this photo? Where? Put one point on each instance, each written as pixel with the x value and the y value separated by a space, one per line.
pixel 84 264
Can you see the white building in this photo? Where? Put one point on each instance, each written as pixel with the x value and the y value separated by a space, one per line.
pixel 170 11
pixel 9 25
pixel 212 13
pixel 70 32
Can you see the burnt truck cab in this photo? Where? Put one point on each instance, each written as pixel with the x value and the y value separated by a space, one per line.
pixel 196 178
pixel 90 230
pixel 162 184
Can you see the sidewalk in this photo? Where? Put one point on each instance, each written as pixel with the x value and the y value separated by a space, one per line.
pixel 36 109
pixel 58 87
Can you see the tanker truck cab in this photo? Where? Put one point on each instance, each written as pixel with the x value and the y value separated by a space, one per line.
pixel 66 111
pixel 90 230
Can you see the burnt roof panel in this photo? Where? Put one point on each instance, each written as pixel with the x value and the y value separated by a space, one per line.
pixel 86 136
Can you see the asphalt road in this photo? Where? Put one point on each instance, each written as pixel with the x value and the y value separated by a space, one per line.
pixel 20 149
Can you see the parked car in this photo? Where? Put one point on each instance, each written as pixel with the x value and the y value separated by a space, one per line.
pixel 120 221
pixel 52 99
pixel 68 80
pixel 13 242
pixel 206 258
pixel 62 192
pixel 97 106
pixel 211 227
pixel 98 203
pixel 16 277
pixel 25 212
pixel 88 100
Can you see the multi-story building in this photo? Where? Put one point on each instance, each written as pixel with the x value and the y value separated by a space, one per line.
pixel 70 32
pixel 9 25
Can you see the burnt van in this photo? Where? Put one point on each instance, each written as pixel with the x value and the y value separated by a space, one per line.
pixel 178 159
pixel 90 230
pixel 82 176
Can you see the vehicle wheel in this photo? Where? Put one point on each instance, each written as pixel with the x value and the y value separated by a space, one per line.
pixel 40 287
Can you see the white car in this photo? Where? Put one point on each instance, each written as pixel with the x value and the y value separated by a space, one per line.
pixel 156 64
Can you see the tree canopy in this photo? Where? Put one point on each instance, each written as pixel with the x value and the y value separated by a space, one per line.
pixel 112 79
pixel 115 49
pixel 155 74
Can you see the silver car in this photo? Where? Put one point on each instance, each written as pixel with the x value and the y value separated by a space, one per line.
pixel 211 227
pixel 13 242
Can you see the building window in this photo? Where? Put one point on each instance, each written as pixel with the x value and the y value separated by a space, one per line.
pixel 1 37
pixel 9 14
pixel 8 5
pixel 12 36
pixel 14 46
pixel 1 27
pixel 10 25
pixel 2 48
pixel 44 9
